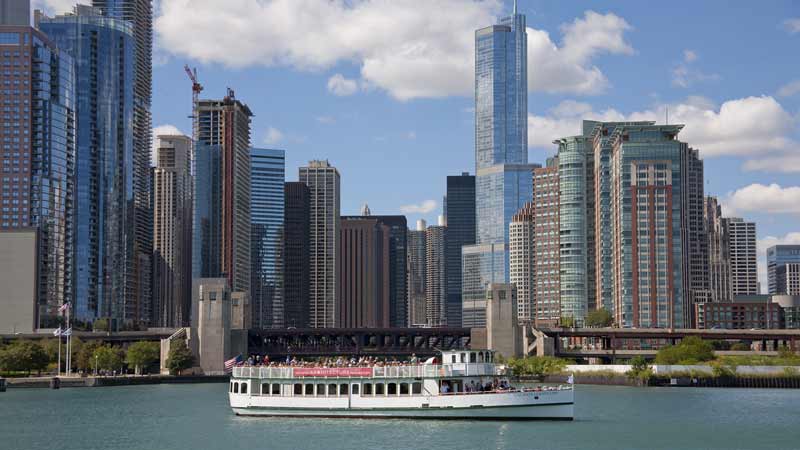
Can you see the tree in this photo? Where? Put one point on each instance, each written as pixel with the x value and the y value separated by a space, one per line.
pixel 108 357
pixel 537 366
pixel 640 369
pixel 180 357
pixel 691 350
pixel 567 321
pixel 23 356
pixel 143 355
pixel 599 318
pixel 84 355
pixel 100 325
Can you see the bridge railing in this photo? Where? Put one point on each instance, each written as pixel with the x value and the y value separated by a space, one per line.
pixel 415 371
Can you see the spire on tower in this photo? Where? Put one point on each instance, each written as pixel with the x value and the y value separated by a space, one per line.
pixel 515 7
pixel 365 210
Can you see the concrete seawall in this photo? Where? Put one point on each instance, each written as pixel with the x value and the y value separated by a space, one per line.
pixel 68 382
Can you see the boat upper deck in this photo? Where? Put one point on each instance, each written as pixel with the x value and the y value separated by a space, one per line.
pixel 394 371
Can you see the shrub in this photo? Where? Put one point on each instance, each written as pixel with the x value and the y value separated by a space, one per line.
pixel 537 366
pixel 180 357
pixel 691 350
pixel 599 318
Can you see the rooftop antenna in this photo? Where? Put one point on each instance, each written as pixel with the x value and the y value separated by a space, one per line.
pixel 667 115
pixel 515 7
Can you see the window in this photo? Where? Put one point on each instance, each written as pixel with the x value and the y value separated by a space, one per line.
pixel 453 359
pixel 298 389
pixel 463 358
pixel 309 389
pixel 276 389
pixel 392 389
pixel 343 389
pixel 379 389
pixel 265 389
pixel 320 390
pixel 235 388
pixel 404 389
pixel 332 390
pixel 473 357
pixel 416 388
pixel 367 388
pixel 244 388
pixel 355 389
pixel 231 389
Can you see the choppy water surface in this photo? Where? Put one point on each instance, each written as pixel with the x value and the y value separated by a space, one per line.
pixel 197 417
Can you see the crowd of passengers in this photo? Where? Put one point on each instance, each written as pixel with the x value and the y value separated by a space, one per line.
pixel 472 386
pixel 364 361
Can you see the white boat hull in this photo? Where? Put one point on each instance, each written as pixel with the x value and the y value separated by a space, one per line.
pixel 534 412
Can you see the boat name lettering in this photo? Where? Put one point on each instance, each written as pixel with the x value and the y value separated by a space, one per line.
pixel 333 372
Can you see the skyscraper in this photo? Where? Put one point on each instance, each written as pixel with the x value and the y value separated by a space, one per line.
pixel 521 259
pixel 503 180
pixel 695 239
pixel 37 176
pixel 323 183
pixel 221 237
pixel 417 273
pixel 460 219
pixel 435 275
pixel 267 174
pixel 172 232
pixel 546 308
pixel 719 258
pixel 364 288
pixel 777 256
pixel 139 13
pixel 787 279
pixel 744 262
pixel 296 243
pixel 104 238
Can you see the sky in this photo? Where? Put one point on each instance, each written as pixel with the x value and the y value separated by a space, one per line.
pixel 383 89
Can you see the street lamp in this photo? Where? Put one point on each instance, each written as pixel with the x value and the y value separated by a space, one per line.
pixel 95 365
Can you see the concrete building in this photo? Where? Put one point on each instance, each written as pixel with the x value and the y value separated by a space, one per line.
pixel 719 258
pixel 546 292
pixel 172 232
pixel 503 332
pixel 37 175
pixel 744 263
pixel 296 243
pixel 139 13
pixel 19 275
pixel 103 51
pixel 777 256
pixel 221 238
pixel 503 181
pixel 211 324
pixel 241 311
pixel 267 175
pixel 417 274
pixel 436 275
pixel 323 183
pixel 364 290
pixel 459 214
pixel 743 313
pixel 398 277
pixel 522 266
pixel 787 279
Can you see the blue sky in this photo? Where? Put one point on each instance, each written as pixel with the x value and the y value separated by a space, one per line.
pixel 383 88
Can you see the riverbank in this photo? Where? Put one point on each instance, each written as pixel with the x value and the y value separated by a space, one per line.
pixel 68 382
pixel 680 380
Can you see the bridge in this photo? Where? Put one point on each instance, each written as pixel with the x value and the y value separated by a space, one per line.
pixel 612 343
pixel 399 342
pixel 123 338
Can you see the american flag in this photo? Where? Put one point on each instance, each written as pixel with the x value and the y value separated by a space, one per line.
pixel 232 362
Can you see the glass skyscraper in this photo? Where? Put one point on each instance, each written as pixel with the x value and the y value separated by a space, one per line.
pixel 777 257
pixel 460 219
pixel 267 174
pixel 504 179
pixel 103 51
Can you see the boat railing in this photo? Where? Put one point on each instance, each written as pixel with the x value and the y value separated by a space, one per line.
pixel 408 371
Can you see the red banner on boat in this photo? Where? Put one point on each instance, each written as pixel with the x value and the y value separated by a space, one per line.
pixel 332 372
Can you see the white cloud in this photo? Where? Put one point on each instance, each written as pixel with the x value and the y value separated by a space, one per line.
pixel 792 238
pixel 52 7
pixel 789 89
pixel 792 25
pixel 411 135
pixel 788 162
pixel 421 208
pixel 341 86
pixel 755 127
pixel 685 74
pixel 759 198
pixel 162 130
pixel 409 48
pixel 327 120
pixel 273 136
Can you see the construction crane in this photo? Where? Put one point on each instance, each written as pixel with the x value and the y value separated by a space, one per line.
pixel 196 86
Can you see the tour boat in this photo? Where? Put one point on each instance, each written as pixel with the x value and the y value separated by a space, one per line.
pixel 460 385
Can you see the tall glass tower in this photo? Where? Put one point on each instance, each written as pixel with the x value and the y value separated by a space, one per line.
pixel 504 179
pixel 103 51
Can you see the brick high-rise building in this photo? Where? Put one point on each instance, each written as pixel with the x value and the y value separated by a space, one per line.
pixel 364 290
pixel 546 307
pixel 417 274
pixel 521 243
pixel 436 275
pixel 296 243
pixel 743 257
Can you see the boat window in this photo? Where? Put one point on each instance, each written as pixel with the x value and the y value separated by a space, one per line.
pixel 367 388
pixel 404 389
pixel 309 389
pixel 472 357
pixel 264 388
pixel 392 389
pixel 235 388
pixel 276 389
pixel 453 359
pixel 332 390
pixel 379 389
pixel 298 389
pixel 416 388
pixel 320 389
pixel 244 388
pixel 231 388
pixel 463 358
pixel 489 356
pixel 343 389
pixel 355 389
pixel 480 357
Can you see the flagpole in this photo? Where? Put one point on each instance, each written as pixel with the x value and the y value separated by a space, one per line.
pixel 58 333
pixel 69 340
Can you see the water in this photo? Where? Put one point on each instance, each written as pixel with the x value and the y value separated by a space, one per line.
pixel 197 417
